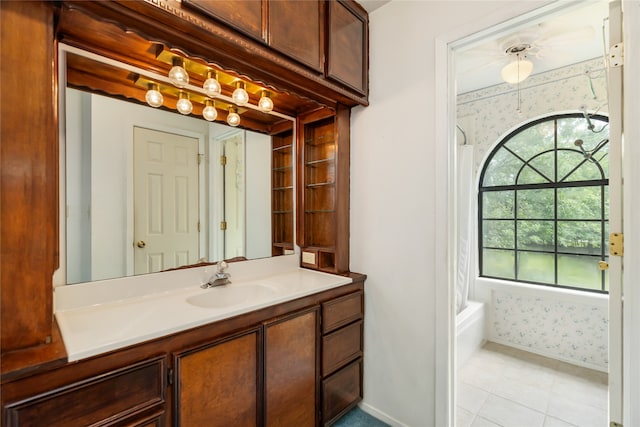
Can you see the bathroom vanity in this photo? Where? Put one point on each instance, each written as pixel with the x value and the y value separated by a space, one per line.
pixel 280 348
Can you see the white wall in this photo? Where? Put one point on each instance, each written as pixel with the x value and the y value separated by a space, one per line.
pixel 395 201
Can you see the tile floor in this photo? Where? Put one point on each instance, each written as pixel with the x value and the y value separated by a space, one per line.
pixel 507 387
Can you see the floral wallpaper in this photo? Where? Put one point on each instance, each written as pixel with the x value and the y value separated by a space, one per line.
pixel 487 115
pixel 567 330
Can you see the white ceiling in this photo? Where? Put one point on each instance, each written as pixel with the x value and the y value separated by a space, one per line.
pixel 556 42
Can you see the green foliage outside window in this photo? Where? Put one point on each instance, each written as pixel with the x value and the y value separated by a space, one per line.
pixel 544 204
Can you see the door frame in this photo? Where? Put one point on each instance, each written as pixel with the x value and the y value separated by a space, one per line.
pixel 445 173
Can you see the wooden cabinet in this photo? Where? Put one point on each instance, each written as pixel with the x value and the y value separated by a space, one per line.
pixel 282 193
pixel 296 28
pixel 291 359
pixel 342 333
pixel 243 15
pixel 348 36
pixel 323 193
pixel 218 384
pixel 117 397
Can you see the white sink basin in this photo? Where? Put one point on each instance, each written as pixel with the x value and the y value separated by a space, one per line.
pixel 230 295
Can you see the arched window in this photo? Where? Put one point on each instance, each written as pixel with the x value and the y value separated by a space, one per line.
pixel 543 204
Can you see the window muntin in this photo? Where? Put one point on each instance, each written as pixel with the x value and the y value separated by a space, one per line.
pixel 543 204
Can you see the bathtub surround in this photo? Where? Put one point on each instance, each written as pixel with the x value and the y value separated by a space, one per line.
pixel 566 330
pixel 471 325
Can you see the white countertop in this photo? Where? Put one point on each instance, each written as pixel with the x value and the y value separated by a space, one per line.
pixel 98 317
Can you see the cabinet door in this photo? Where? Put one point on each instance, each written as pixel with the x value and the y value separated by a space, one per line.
pixel 291 362
pixel 295 29
pixel 218 383
pixel 244 15
pixel 348 45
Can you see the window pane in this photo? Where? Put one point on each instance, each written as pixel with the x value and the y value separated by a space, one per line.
pixel 580 237
pixel 502 169
pixel 546 164
pixel 570 129
pixel 497 204
pixel 535 204
pixel 498 234
pixel 536 235
pixel 530 176
pixel 579 272
pixel 532 140
pixel 498 263
pixel 536 267
pixel 587 171
pixel 580 203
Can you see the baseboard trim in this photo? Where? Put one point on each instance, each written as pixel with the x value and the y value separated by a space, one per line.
pixel 380 415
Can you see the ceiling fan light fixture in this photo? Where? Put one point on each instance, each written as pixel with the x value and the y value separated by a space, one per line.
pixel 517 71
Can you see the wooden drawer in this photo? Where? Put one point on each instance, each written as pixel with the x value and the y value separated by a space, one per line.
pixel 99 400
pixel 341 347
pixel 342 311
pixel 341 391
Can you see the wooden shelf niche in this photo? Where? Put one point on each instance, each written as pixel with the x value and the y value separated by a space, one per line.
pixel 282 196
pixel 323 224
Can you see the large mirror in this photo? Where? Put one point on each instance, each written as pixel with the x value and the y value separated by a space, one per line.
pixel 149 189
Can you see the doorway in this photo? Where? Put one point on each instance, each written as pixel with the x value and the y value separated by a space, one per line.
pixel 516 98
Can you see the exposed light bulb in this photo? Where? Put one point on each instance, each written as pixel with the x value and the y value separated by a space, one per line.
pixel 211 85
pixel 233 119
pixel 209 112
pixel 183 105
pixel 266 103
pixel 240 95
pixel 178 75
pixel 153 97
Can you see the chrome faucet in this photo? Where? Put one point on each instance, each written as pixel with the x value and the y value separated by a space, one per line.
pixel 220 278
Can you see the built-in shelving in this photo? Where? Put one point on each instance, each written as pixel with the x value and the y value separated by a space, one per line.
pixel 282 167
pixel 321 227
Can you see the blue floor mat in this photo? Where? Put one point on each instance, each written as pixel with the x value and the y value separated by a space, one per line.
pixel 358 418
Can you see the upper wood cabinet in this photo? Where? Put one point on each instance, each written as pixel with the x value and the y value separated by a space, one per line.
pixel 330 37
pixel 296 28
pixel 348 49
pixel 243 15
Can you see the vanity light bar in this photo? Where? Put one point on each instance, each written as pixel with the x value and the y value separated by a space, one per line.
pixel 158 78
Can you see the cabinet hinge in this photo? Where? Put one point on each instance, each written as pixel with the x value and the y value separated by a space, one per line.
pixel 616 244
pixel 223 160
pixel 223 225
pixel 198 226
pixel 169 376
pixel 615 424
pixel 616 55
pixel 200 157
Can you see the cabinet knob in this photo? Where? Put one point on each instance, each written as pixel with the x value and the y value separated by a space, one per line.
pixel 141 244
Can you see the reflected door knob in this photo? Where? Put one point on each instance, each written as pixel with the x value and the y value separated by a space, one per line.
pixel 141 244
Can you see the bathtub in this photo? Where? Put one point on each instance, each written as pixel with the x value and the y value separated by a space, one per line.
pixel 470 331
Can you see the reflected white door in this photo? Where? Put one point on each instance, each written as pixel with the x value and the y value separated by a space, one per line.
pixel 165 200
